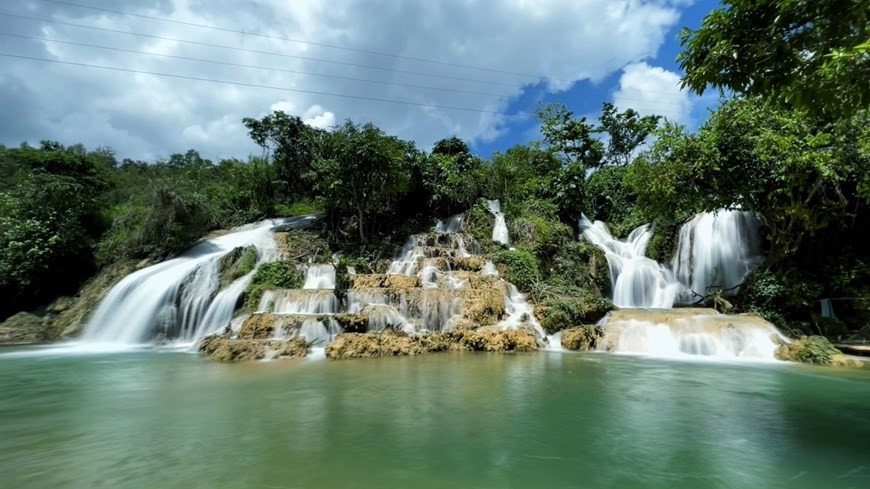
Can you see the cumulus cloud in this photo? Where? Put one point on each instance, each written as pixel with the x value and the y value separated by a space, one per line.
pixel 651 90
pixel 520 43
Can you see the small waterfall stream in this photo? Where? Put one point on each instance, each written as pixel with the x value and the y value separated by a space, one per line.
pixel 499 230
pixel 714 251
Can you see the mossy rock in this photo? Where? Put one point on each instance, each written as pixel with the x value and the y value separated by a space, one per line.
pixel 568 312
pixel 391 343
pixel 23 328
pixel 583 338
pixel 483 306
pixel 224 349
pixel 258 327
pixel 815 350
pixel 352 323
pixel 236 264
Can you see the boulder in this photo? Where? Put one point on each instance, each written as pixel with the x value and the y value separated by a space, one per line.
pixel 583 338
pixel 23 328
pixel 814 350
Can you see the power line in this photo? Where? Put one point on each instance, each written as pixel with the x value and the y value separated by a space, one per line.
pixel 270 53
pixel 226 63
pixel 239 65
pixel 268 87
pixel 300 41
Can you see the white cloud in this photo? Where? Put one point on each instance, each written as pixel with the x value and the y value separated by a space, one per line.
pixel 653 90
pixel 317 116
pixel 557 42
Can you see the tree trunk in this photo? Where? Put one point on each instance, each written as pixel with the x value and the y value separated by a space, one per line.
pixel 362 235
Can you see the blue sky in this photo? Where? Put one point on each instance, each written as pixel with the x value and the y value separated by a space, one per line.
pixel 83 71
pixel 585 97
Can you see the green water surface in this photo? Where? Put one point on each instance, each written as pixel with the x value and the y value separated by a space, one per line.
pixel 544 420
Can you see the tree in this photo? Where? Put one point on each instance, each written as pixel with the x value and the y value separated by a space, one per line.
pixel 626 132
pixel 362 171
pixel 294 146
pixel 449 176
pixel 573 138
pixel 811 54
pixel 799 175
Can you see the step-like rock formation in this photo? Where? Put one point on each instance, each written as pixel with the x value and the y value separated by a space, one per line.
pixel 438 295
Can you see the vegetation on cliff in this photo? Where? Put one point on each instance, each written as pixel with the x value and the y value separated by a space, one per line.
pixel 794 149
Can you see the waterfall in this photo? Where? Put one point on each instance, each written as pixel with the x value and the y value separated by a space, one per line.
pixel 320 277
pixel 690 333
pixel 451 225
pixel 636 280
pixel 499 231
pixel 178 299
pixel 716 251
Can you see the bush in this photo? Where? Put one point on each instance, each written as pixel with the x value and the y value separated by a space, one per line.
pixel 274 275
pixel 521 268
pixel 570 312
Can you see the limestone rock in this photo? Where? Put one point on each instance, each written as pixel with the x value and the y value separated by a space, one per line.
pixel 224 349
pixel 584 338
pixel 814 350
pixel 23 328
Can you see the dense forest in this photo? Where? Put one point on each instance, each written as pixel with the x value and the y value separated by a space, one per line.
pixel 789 141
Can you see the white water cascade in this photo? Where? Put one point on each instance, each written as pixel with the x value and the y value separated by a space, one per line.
pixel 499 230
pixel 178 299
pixel 716 251
pixel 690 333
pixel 636 281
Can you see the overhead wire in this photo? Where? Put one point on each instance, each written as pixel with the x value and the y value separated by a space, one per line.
pixel 272 53
pixel 241 65
pixel 300 41
pixel 269 87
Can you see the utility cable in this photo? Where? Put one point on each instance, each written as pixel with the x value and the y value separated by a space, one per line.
pixel 268 87
pixel 239 65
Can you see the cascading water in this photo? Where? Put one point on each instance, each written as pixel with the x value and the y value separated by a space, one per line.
pixel 690 333
pixel 499 230
pixel 636 280
pixel 179 298
pixel 716 251
pixel 452 225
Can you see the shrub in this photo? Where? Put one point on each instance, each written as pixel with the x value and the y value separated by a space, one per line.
pixel 274 275
pixel 521 268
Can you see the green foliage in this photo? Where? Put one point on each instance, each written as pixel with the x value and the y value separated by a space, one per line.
pixel 521 268
pixel 569 312
pixel 812 349
pixel 363 172
pixel 164 223
pixel 294 147
pixel 49 221
pixel 303 208
pixel 800 53
pixel 273 275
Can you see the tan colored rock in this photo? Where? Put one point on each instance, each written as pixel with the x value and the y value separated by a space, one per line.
pixel 23 328
pixel 259 326
pixel 583 338
pixel 352 323
pixel 468 264
pixel 224 349
pixel 483 306
pixel 368 345
pixel 382 280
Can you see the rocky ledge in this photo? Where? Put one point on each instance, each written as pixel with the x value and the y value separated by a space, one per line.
pixel 389 343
